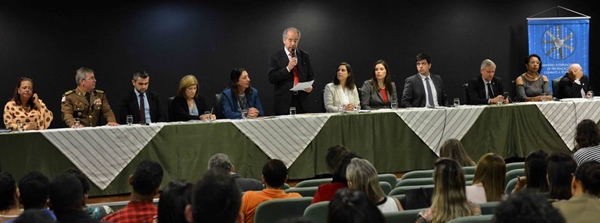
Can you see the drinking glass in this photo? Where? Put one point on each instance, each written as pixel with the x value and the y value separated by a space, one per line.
pixel 394 105
pixel 292 110
pixel 544 96
pixel 76 122
pixel 357 107
pixel 245 113
pixel 208 116
pixel 129 120
pixel 456 102
pixel 589 94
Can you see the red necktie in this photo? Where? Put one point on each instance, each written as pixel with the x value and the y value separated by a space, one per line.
pixel 295 71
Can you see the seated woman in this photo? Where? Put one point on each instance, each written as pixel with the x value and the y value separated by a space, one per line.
pixel 350 205
pixel 241 96
pixel 449 200
pixel 188 104
pixel 489 180
pixel 362 175
pixel 379 91
pixel 341 92
pixel 587 139
pixel 560 168
pixel 453 149
pixel 584 205
pixel 535 173
pixel 326 191
pixel 532 85
pixel 25 109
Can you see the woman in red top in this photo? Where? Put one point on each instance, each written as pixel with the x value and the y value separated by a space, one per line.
pixel 338 158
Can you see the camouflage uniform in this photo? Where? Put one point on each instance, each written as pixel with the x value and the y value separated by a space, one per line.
pixel 75 105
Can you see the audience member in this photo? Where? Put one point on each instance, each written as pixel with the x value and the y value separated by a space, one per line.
pixel 587 139
pixel 274 174
pixel 33 193
pixel 96 212
pixel 535 173
pixel 216 198
pixel 240 96
pixel 584 205
pixel 295 220
pixel 379 91
pixel 527 206
pixel 533 85
pixel 288 67
pixel 559 171
pixel 86 103
pixel 34 216
pixel 143 105
pixel 9 202
pixel 574 84
pixel 449 199
pixel 188 104
pixel 174 199
pixel 362 175
pixel 145 183
pixel 423 89
pixel 334 155
pixel 453 149
pixel 25 110
pixel 486 89
pixel 353 206
pixel 489 180
pixel 326 191
pixel 221 161
pixel 66 199
pixel 341 92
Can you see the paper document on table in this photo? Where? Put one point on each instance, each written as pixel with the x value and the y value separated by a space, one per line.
pixel 300 86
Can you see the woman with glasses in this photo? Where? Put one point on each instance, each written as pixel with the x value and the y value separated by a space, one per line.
pixel 533 85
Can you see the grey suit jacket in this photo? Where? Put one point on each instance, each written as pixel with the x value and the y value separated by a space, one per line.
pixel 413 94
pixel 580 208
pixel 370 97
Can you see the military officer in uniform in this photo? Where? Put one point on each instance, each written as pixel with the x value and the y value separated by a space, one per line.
pixel 85 102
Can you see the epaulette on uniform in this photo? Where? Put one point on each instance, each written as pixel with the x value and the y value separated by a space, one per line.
pixel 68 92
pixel 99 91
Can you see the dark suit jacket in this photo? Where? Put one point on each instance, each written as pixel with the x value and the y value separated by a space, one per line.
pixel 247 184
pixel 181 111
pixel 283 80
pixel 567 88
pixel 129 106
pixel 413 94
pixel 477 87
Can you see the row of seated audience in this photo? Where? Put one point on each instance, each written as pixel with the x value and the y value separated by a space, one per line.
pixel 86 105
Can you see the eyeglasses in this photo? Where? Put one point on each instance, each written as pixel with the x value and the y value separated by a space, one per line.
pixel 535 62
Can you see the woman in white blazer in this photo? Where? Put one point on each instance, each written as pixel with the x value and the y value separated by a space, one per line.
pixel 341 92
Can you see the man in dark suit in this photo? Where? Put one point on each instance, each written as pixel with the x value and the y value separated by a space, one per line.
pixel 221 161
pixel 140 97
pixel 288 67
pixel 574 84
pixel 423 89
pixel 487 89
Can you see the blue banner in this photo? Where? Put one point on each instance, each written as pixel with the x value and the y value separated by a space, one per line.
pixel 560 41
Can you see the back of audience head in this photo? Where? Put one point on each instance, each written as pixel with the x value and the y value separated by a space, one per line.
pixel 527 206
pixel 560 168
pixel 363 176
pixel 353 206
pixel 339 174
pixel 535 170
pixel 34 216
pixel 334 155
pixel 220 161
pixel 449 199
pixel 587 176
pixel 65 193
pixel 216 198
pixel 491 172
pixel 173 200
pixel 8 190
pixel 453 149
pixel 147 178
pixel 82 178
pixel 587 134
pixel 295 220
pixel 33 190
pixel 274 173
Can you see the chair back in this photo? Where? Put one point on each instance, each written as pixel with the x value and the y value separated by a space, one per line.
pixel 466 93
pixel 418 174
pixel 474 219
pixel 313 182
pixel 317 212
pixel 554 89
pixel 469 170
pixel 218 107
pixel 489 207
pixel 388 177
pixel 304 191
pixel 385 186
pixel 515 165
pixel 402 216
pixel 170 108
pixel 514 174
pixel 277 209
pixel 402 189
pixel 415 182
pixel 510 186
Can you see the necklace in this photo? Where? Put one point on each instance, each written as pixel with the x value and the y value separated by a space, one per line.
pixel 529 75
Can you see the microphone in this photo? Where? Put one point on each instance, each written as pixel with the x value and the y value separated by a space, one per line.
pixel 294 53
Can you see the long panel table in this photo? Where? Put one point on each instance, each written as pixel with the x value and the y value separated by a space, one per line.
pixel 393 140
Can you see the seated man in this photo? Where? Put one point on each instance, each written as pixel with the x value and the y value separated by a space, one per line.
pixel 216 198
pixel 221 161
pixel 274 175
pixel 574 84
pixel 487 89
pixel 145 182
pixel 66 199
pixel 33 190
pixel 423 89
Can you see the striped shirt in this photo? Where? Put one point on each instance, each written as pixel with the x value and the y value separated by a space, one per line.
pixel 586 154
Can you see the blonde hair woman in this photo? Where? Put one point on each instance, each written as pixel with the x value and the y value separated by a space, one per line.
pixel 453 149
pixel 188 104
pixel 362 175
pixel 489 180
pixel 449 199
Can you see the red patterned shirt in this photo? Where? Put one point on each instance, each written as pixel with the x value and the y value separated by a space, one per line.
pixel 134 212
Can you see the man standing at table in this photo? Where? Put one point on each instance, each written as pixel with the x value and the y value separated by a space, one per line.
pixel 141 103
pixel 85 102
pixel 487 89
pixel 423 89
pixel 288 67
